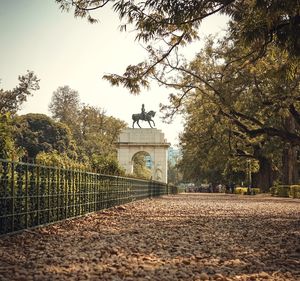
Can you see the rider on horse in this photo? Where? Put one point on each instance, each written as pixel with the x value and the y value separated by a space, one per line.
pixel 143 112
pixel 145 116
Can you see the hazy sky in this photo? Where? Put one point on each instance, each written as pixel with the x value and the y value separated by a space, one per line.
pixel 61 50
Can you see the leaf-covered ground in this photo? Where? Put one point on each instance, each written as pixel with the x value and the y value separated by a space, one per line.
pixel 182 237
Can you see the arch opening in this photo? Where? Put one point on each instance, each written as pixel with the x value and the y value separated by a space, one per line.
pixel 142 165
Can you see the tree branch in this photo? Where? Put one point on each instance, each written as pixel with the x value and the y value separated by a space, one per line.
pixel 74 3
pixel 295 113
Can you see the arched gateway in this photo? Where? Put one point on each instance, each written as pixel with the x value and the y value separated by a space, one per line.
pixel 151 141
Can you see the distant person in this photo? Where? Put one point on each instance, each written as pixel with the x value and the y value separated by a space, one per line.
pixel 232 188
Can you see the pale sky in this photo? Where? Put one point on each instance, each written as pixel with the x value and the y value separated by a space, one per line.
pixel 61 50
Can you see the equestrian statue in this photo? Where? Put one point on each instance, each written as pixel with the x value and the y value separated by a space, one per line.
pixel 144 116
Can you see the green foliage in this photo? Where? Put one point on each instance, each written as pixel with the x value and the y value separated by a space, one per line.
pixel 39 133
pixel 139 166
pixel 241 92
pixel 245 190
pixel 97 132
pixel 107 165
pixel 94 132
pixel 83 139
pixel 10 101
pixel 295 191
pixel 60 160
pixel 8 150
pixel 252 25
pixel 33 195
pixel 285 191
pixel 65 106
pixel 235 119
pixel 174 174
pixel 280 190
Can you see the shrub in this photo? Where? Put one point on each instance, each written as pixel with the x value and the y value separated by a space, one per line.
pixel 56 159
pixel 244 190
pixel 240 190
pixel 280 190
pixel 295 191
pixel 273 191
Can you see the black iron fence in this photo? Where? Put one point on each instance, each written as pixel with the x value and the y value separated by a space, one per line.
pixel 33 195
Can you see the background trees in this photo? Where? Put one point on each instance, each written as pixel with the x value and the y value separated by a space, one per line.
pixel 65 106
pixel 248 107
pixel 93 131
pixel 240 97
pixel 10 102
pixel 38 133
pixel 97 136
pixel 255 24
pixel 77 135
pixel 7 145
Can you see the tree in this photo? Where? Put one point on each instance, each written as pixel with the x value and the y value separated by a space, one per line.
pixel 108 165
pixel 61 160
pixel 65 105
pixel 11 100
pixel 252 75
pixel 10 103
pixel 98 132
pixel 254 24
pixel 8 149
pixel 39 133
pixel 174 157
pixel 249 102
pixel 95 133
pixel 214 152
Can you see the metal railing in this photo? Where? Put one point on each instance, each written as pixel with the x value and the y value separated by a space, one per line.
pixel 32 195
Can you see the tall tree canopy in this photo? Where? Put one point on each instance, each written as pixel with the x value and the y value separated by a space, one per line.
pixel 253 23
pixel 244 90
pixel 39 133
pixel 94 132
pixel 65 105
pixel 246 112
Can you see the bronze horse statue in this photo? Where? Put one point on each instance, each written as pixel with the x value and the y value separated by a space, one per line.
pixel 144 117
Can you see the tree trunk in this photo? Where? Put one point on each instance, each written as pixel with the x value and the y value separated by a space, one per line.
pixel 289 157
pixel 290 173
pixel 264 178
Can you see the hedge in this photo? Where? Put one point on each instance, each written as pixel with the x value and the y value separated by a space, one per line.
pixel 244 190
pixel 286 191
pixel 295 191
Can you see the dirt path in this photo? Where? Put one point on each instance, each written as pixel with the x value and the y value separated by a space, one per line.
pixel 182 237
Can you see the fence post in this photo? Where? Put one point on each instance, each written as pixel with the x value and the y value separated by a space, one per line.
pixel 12 190
pixel 38 193
pixel 26 195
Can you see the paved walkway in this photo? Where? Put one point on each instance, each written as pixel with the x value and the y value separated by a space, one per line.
pixel 182 237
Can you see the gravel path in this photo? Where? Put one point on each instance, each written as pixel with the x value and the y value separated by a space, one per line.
pixel 182 237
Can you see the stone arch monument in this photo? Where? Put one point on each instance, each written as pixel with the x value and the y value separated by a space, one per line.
pixel 131 141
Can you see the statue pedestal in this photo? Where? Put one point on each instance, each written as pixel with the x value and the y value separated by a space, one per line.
pixel 153 142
